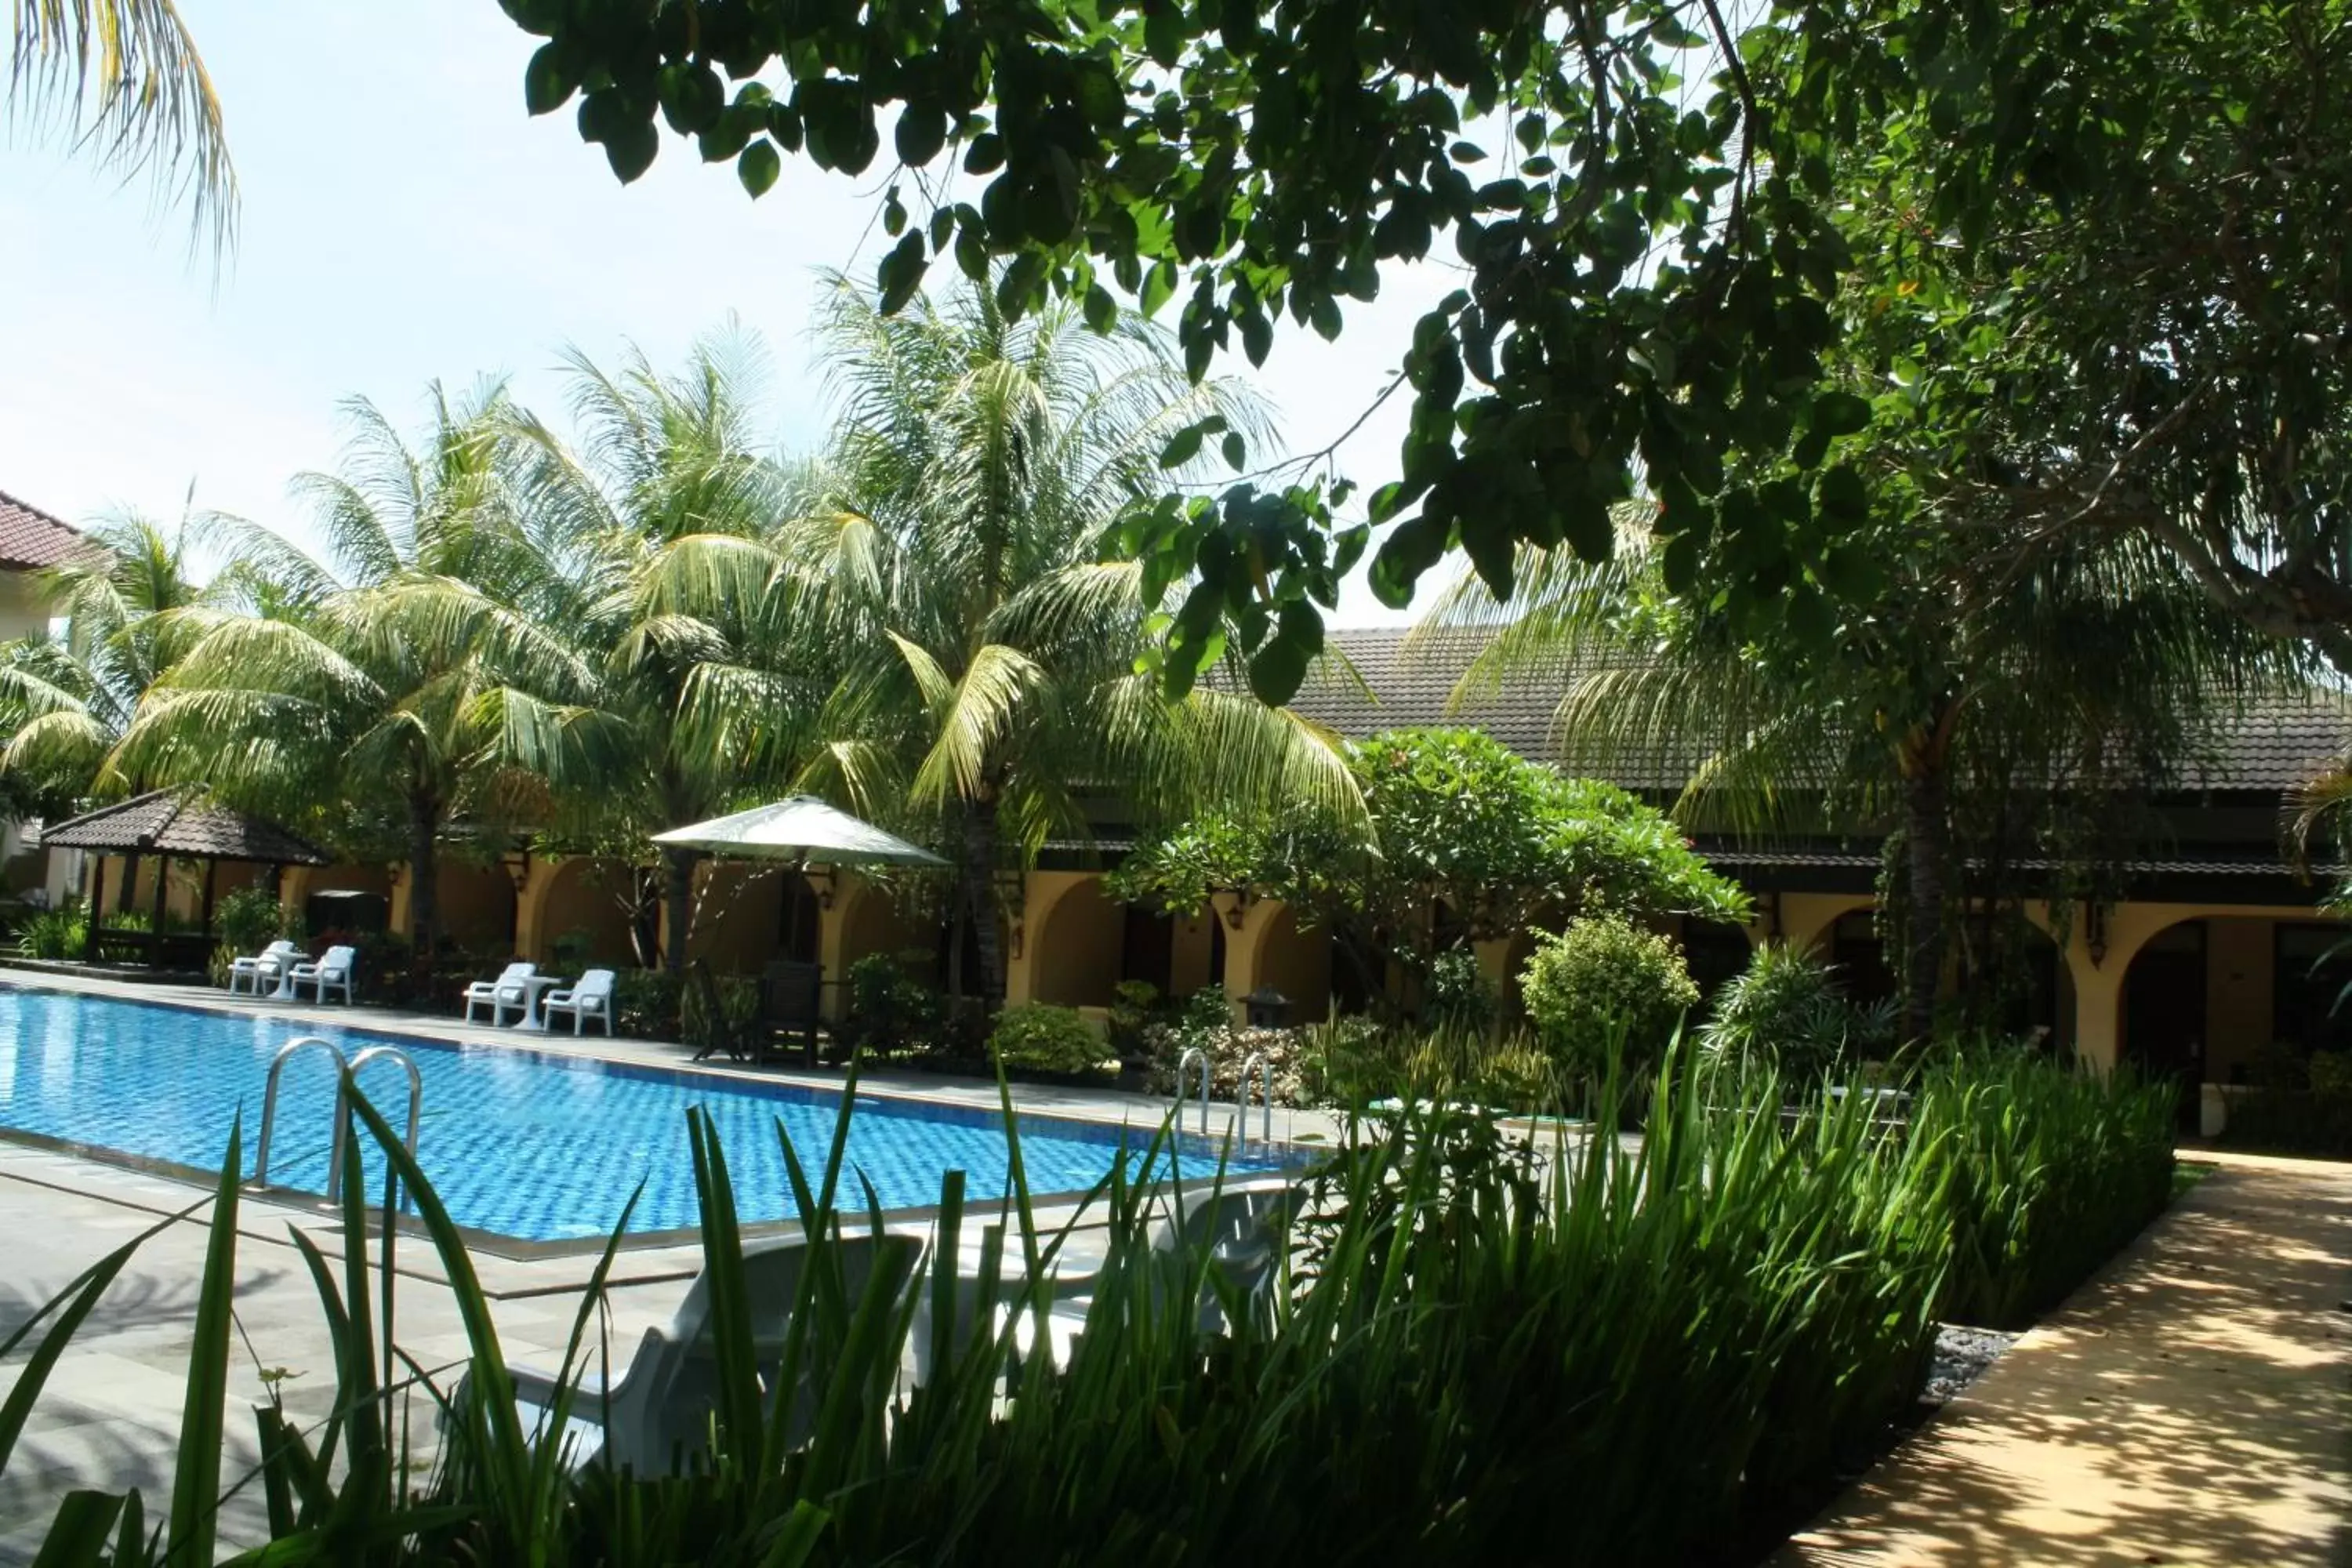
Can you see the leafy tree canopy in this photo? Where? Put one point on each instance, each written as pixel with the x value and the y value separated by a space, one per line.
pixel 1454 822
pixel 1646 202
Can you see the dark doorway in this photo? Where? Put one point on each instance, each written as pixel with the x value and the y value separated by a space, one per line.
pixel 1716 953
pixel 1145 948
pixel 2164 1011
pixel 1860 955
pixel 797 922
pixel 2310 971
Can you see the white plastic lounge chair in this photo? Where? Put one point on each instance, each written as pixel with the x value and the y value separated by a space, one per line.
pixel 266 966
pixel 591 997
pixel 659 1409
pixel 331 973
pixel 507 991
pixel 1243 1228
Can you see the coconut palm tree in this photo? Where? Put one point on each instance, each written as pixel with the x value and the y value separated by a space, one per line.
pixel 121 79
pixel 1972 686
pixel 944 561
pixel 659 458
pixel 405 671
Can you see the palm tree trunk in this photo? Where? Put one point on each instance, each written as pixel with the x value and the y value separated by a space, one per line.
pixel 1928 850
pixel 979 876
pixel 423 876
pixel 678 898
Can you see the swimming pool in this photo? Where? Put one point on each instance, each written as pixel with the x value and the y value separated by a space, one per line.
pixel 531 1145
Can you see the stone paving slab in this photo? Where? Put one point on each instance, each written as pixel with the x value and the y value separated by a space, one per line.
pixel 2192 1404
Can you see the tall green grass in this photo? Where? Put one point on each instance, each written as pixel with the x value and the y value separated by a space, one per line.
pixel 1593 1350
pixel 2052 1170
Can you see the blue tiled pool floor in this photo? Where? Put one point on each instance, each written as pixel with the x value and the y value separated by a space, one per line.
pixel 536 1146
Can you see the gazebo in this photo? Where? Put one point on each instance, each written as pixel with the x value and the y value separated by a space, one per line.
pixel 175 824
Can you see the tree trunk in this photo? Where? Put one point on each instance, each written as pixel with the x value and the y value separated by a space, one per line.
pixel 642 905
pixel 424 877
pixel 678 898
pixel 979 876
pixel 1927 849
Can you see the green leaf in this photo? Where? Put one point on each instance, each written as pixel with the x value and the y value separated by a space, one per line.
pixel 1842 496
pixel 1158 284
pixel 1323 315
pixel 1181 449
pixel 1840 414
pixel 921 132
pixel 691 96
pixel 548 81
pixel 196 1479
pixel 78 1536
pixel 1101 309
pixel 630 148
pixel 1277 671
pixel 1236 451
pixel 901 272
pixel 758 166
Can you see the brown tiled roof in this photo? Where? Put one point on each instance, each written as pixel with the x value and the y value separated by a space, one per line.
pixel 179 822
pixel 30 537
pixel 1378 682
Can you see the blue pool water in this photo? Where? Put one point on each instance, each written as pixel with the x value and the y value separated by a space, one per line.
pixel 531 1145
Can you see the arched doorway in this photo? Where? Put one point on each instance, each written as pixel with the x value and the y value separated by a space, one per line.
pixel 1715 954
pixel 2014 982
pixel 2164 1005
pixel 1079 948
pixel 1860 955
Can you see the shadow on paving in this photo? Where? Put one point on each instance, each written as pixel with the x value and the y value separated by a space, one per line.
pixel 2191 1405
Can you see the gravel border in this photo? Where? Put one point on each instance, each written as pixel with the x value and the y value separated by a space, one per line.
pixel 1962 1354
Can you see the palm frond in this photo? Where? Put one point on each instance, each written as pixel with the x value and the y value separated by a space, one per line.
pixel 122 79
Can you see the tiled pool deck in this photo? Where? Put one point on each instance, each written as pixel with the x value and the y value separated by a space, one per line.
pixel 111 1412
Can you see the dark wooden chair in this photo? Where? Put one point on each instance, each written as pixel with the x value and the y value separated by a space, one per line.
pixel 712 1027
pixel 791 1003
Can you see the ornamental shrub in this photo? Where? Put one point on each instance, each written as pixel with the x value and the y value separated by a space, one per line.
pixel 1786 1009
pixel 889 1009
pixel 249 919
pixel 1455 995
pixel 54 935
pixel 1606 984
pixel 1037 1036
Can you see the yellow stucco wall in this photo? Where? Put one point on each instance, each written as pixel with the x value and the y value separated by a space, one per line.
pixel 24 612
pixel 1073 942
pixel 477 905
pixel 575 896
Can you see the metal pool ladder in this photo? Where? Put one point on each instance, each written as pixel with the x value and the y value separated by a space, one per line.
pixel 1193 1054
pixel 1260 1065
pixel 347 1072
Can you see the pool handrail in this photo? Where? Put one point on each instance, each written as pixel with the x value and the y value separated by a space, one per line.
pixel 346 1068
pixel 1191 1055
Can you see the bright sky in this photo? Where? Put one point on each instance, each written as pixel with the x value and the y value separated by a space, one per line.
pixel 405 219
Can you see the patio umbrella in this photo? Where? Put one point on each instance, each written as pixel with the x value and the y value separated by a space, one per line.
pixel 803 829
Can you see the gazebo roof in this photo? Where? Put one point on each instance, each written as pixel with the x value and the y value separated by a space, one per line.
pixel 180 822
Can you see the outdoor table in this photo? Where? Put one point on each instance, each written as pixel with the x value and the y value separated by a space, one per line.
pixel 533 986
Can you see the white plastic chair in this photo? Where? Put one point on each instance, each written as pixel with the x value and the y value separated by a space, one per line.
pixel 1241 1227
pixel 331 973
pixel 659 1409
pixel 507 991
pixel 591 997
pixel 269 963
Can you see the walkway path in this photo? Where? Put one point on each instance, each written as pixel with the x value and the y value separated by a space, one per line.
pixel 2192 1405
